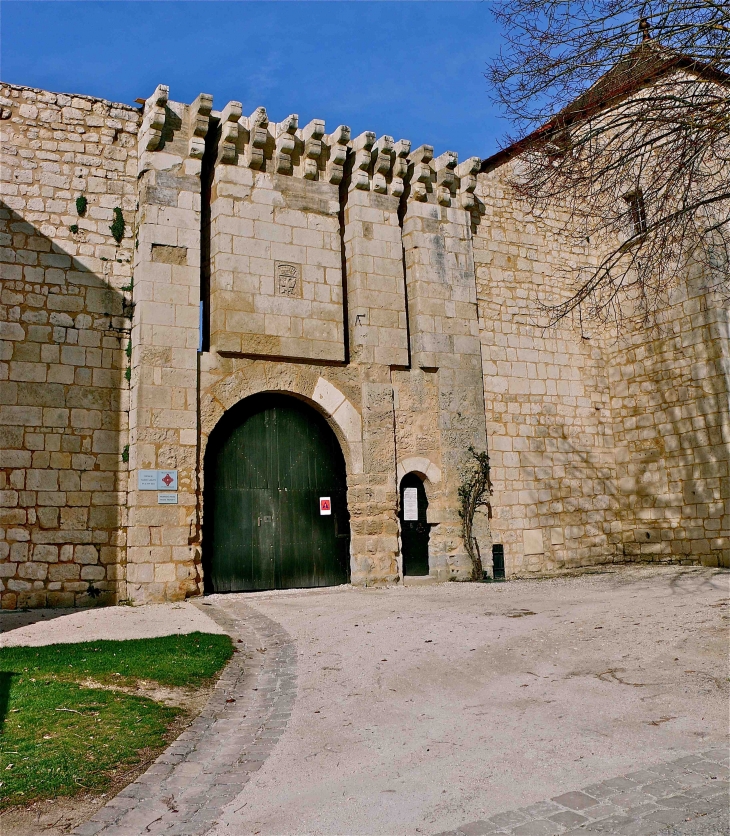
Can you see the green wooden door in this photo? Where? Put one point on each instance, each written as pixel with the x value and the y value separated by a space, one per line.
pixel 267 466
pixel 414 533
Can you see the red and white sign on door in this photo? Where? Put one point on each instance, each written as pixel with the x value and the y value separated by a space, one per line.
pixel 325 506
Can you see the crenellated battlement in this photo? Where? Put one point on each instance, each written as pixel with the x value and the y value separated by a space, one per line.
pixel 379 166
pixel 281 147
pixel 383 166
pixel 442 180
pixel 172 132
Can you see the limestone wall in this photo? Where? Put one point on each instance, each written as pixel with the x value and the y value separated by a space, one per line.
pixel 64 325
pixel 547 396
pixel 670 387
pixel 278 192
pixel 280 214
pixel 275 250
pixel 604 448
pixel 394 292
pixel 163 561
pixel 445 380
pixel 374 251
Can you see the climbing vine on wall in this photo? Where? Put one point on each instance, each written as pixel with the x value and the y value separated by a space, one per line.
pixel 474 493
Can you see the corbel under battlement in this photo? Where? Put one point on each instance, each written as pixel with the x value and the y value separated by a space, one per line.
pixel 282 148
pixel 442 180
pixel 171 131
pixel 382 165
pixel 198 122
pixel 153 121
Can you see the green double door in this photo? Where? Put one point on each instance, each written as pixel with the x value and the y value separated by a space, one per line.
pixel 272 467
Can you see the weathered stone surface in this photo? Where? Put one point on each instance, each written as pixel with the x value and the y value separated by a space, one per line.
pixel 393 291
pixel 63 323
pixel 612 449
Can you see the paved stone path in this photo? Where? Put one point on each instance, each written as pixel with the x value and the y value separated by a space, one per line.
pixel 186 788
pixel 660 799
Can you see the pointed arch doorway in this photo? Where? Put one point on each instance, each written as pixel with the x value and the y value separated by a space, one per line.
pixel 275 499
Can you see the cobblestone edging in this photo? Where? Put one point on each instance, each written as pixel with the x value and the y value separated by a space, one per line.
pixel 187 787
pixel 645 802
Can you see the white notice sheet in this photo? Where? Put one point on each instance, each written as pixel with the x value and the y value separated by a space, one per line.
pixel 410 504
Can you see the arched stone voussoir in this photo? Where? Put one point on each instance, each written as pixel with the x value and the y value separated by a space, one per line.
pixel 419 464
pixel 346 418
pixel 340 413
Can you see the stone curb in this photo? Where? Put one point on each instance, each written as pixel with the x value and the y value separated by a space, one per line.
pixel 192 781
pixel 641 803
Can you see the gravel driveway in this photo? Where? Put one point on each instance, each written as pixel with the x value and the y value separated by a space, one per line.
pixel 421 708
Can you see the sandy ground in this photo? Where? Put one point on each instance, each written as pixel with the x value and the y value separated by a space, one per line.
pixel 39 627
pixel 421 708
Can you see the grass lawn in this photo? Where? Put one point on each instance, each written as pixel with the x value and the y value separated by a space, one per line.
pixel 59 737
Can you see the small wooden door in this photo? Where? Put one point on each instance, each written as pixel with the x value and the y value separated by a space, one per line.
pixel 268 465
pixel 414 534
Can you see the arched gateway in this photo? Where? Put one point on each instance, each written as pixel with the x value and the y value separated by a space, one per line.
pixel 275 499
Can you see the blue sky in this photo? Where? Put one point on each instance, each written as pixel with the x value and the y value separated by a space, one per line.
pixel 413 70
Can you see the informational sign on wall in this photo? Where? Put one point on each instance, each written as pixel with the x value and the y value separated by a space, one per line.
pixel 325 506
pixel 167 499
pixel 146 480
pixel 167 480
pixel 410 504
pixel 157 480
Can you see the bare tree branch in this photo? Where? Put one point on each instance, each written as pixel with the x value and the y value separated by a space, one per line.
pixel 622 115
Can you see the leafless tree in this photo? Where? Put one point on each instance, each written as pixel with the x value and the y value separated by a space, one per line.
pixel 622 118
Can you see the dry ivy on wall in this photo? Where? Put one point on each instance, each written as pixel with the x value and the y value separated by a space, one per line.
pixel 474 493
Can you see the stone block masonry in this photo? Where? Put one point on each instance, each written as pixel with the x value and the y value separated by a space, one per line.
pixel 64 327
pixel 672 430
pixel 392 289
pixel 604 448
pixel 547 396
pixel 276 266
pixel 374 252
pixel 161 562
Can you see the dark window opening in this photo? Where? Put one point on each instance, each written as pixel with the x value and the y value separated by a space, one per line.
pixel 637 208
pixel 498 560
pixel 559 145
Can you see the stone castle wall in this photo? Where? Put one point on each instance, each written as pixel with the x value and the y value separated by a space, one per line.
pixel 393 291
pixel 669 390
pixel 547 396
pixel 161 556
pixel 604 447
pixel 288 206
pixel 64 323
